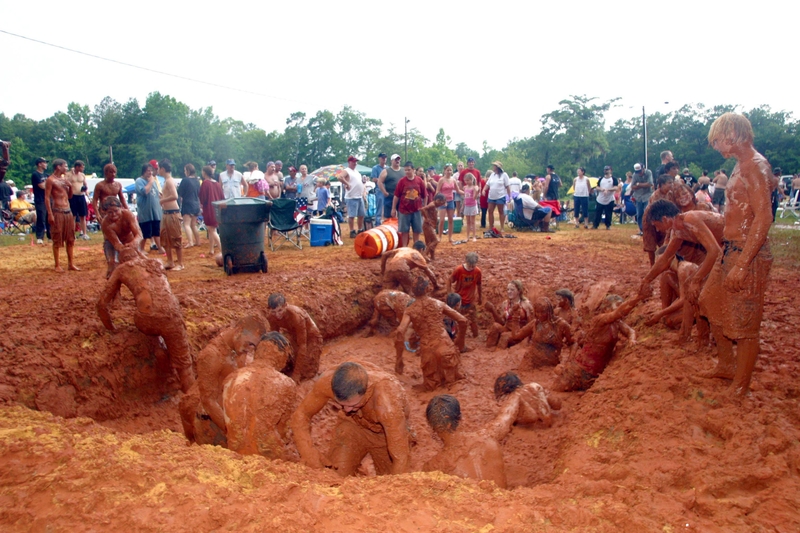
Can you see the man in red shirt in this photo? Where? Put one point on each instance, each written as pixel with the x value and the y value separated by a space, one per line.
pixel 467 280
pixel 409 197
pixel 478 181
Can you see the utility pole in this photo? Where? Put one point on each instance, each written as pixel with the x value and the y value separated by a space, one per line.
pixel 405 136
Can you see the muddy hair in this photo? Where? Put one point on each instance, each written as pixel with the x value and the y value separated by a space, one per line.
pixel 349 380
pixel 420 286
pixel 276 300
pixel 443 413
pixel 661 209
pixel 609 301
pixel 453 299
pixel 663 179
pixel 506 384
pixel 439 197
pixel 108 201
pixel 283 344
pixel 733 128
pixel 520 289
pixel 419 246
pixel 544 304
pixel 566 293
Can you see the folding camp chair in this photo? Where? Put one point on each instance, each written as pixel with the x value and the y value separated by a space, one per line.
pixel 790 205
pixel 282 226
pixel 14 227
pixel 519 220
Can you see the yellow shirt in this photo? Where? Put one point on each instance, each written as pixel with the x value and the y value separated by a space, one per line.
pixel 20 204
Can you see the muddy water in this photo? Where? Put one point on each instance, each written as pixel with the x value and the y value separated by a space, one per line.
pixel 650 447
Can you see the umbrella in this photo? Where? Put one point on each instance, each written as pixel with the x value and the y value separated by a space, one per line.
pixel 330 171
pixel 592 183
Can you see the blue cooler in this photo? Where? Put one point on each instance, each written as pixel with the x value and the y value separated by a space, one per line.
pixel 321 231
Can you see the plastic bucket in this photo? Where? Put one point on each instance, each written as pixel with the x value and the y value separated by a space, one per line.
pixel 372 243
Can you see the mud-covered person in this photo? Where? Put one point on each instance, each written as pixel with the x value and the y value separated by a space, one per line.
pixel 57 193
pixel 467 282
pixel 548 335
pixel 77 203
pixel 109 187
pixel 565 306
pixel 390 304
pixel 513 314
pixel 157 314
pixel 440 356
pixel 429 220
pixel 201 408
pixel 302 332
pixel 259 399
pixel 171 221
pixel 120 229
pixel 526 404
pixel 373 420
pixel 397 267
pixel 733 297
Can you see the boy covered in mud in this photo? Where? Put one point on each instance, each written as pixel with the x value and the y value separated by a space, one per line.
pixel 57 194
pixel 440 357
pixel 526 404
pixel 157 310
pixel 259 399
pixel 430 218
pixel 120 229
pixel 390 304
pixel 733 297
pixel 397 266
pixel 302 332
pixel 466 280
pixel 373 420
pixel 200 408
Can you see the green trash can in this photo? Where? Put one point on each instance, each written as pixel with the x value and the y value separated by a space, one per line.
pixel 241 233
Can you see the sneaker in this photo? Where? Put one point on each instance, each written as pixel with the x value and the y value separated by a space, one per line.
pixel 39 241
pixel 85 237
pixel 153 247
pixel 353 234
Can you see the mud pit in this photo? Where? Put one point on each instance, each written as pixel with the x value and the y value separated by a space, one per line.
pixel 650 447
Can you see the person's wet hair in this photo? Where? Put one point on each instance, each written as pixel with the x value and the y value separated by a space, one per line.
pixel 440 198
pixel 661 209
pixel 420 286
pixel 443 413
pixel 520 288
pixel 471 258
pixel 609 302
pixel 663 179
pixel 276 300
pixel 506 384
pixel 349 380
pixel 283 344
pixel 731 127
pixel 566 293
pixel 108 201
pixel 453 300
pixel 419 246
pixel 166 165
pixel 544 305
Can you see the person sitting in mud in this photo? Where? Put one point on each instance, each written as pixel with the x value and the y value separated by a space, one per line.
pixel 157 310
pixel 390 304
pixel 548 335
pixel 694 227
pixel 467 281
pixel 530 403
pixel 440 357
pixel 513 314
pixel 201 411
pixel 589 360
pixel 373 420
pixel 259 399
pixel 302 332
pixel 565 306
pixel 430 219
pixel 397 265
pixel 120 229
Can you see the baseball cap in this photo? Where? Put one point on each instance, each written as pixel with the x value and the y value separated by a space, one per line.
pixel 230 162
pixel 395 156
pixel 212 163
pixel 470 160
pixel 382 155
pixel 431 168
pixel 352 158
pixel 40 160
pixel 153 163
pixel 637 167
pixel 606 168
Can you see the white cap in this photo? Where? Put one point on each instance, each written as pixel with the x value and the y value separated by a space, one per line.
pixel 394 156
pixel 637 167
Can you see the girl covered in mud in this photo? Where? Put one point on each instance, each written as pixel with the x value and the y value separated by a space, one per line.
pixel 547 334
pixel 513 314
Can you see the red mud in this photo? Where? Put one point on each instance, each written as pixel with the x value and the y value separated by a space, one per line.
pixel 650 447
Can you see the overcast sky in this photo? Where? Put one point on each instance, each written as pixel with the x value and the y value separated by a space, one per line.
pixel 481 70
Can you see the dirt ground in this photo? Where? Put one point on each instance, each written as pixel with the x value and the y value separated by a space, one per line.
pixel 90 434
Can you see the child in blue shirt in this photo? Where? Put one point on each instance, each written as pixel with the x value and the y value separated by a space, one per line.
pixel 323 196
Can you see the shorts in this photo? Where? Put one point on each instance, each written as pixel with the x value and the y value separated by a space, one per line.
pixel 540 213
pixel 171 230
pixel 457 197
pixel 738 313
pixel 409 220
pixel 109 251
pixel 719 197
pixel 470 210
pixel 62 230
pixel 499 201
pixel 450 206
pixel 28 219
pixel 355 207
pixel 78 205
pixel 150 229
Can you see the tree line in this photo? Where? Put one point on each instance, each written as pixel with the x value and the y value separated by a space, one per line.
pixel 575 134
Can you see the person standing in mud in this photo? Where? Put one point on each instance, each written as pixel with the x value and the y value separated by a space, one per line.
pixel 467 281
pixel 440 358
pixel 396 267
pixel 302 332
pixel 57 193
pixel 733 297
pixel 120 229
pixel 373 420
pixel 548 334
pixel 201 408
pixel 588 361
pixel 429 218
pixel 170 229
pixel 157 310
pixel 259 399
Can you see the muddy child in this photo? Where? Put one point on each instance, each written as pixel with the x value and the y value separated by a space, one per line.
pixel 391 305
pixel 429 220
pixel 302 332
pixel 171 222
pixel 120 229
pixel 513 314
pixel 528 404
pixel 548 335
pixel 397 267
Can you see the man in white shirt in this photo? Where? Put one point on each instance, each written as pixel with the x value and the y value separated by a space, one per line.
pixel 532 211
pixel 354 195
pixel 233 183
pixel 515 184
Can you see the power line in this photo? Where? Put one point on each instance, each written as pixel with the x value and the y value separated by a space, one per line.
pixel 185 78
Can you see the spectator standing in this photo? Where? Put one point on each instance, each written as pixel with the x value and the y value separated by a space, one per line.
pixel 462 172
pixel 703 180
pixel 376 173
pixel 38 180
pixel 210 191
pixel 252 177
pixel 666 157
pixel 77 203
pixel 688 179
pixel 214 173
pixel 62 223
pixel 290 184
pixel 323 196
pixel 278 169
pixel 4 162
pixel 552 182
pixel 233 183
pixel 581 189
pixel 642 188
pixel 606 187
pixel 471 193
pixel 515 184
pixel 498 187
pixel 447 186
pixel 409 197
pixel 189 194
pixel 171 218
pixel 353 195
pixel 720 184
pixel 273 180
pixel 307 187
pixel 148 208
pixel 387 183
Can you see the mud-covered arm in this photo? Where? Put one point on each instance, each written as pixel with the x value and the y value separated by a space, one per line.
pixel 399 343
pixel 209 361
pixel 111 235
pixel 663 262
pixel 565 331
pixel 524 332
pixel 628 332
pixel 384 258
pixel 422 265
pixel 620 312
pixel 499 318
pixel 300 422
pixel 501 425
pixel 106 297
pixel 393 419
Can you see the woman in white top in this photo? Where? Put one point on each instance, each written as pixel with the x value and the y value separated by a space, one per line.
pixel 498 187
pixel 581 188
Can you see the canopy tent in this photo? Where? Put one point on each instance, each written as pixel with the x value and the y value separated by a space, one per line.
pixel 592 183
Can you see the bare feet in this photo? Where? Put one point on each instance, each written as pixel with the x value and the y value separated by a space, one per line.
pixel 169 266
pixel 719 372
pixel 188 245
pixel 59 269
pixel 73 267
pixel 178 267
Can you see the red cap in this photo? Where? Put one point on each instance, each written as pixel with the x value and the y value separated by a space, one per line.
pixel 154 163
pixel 352 158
